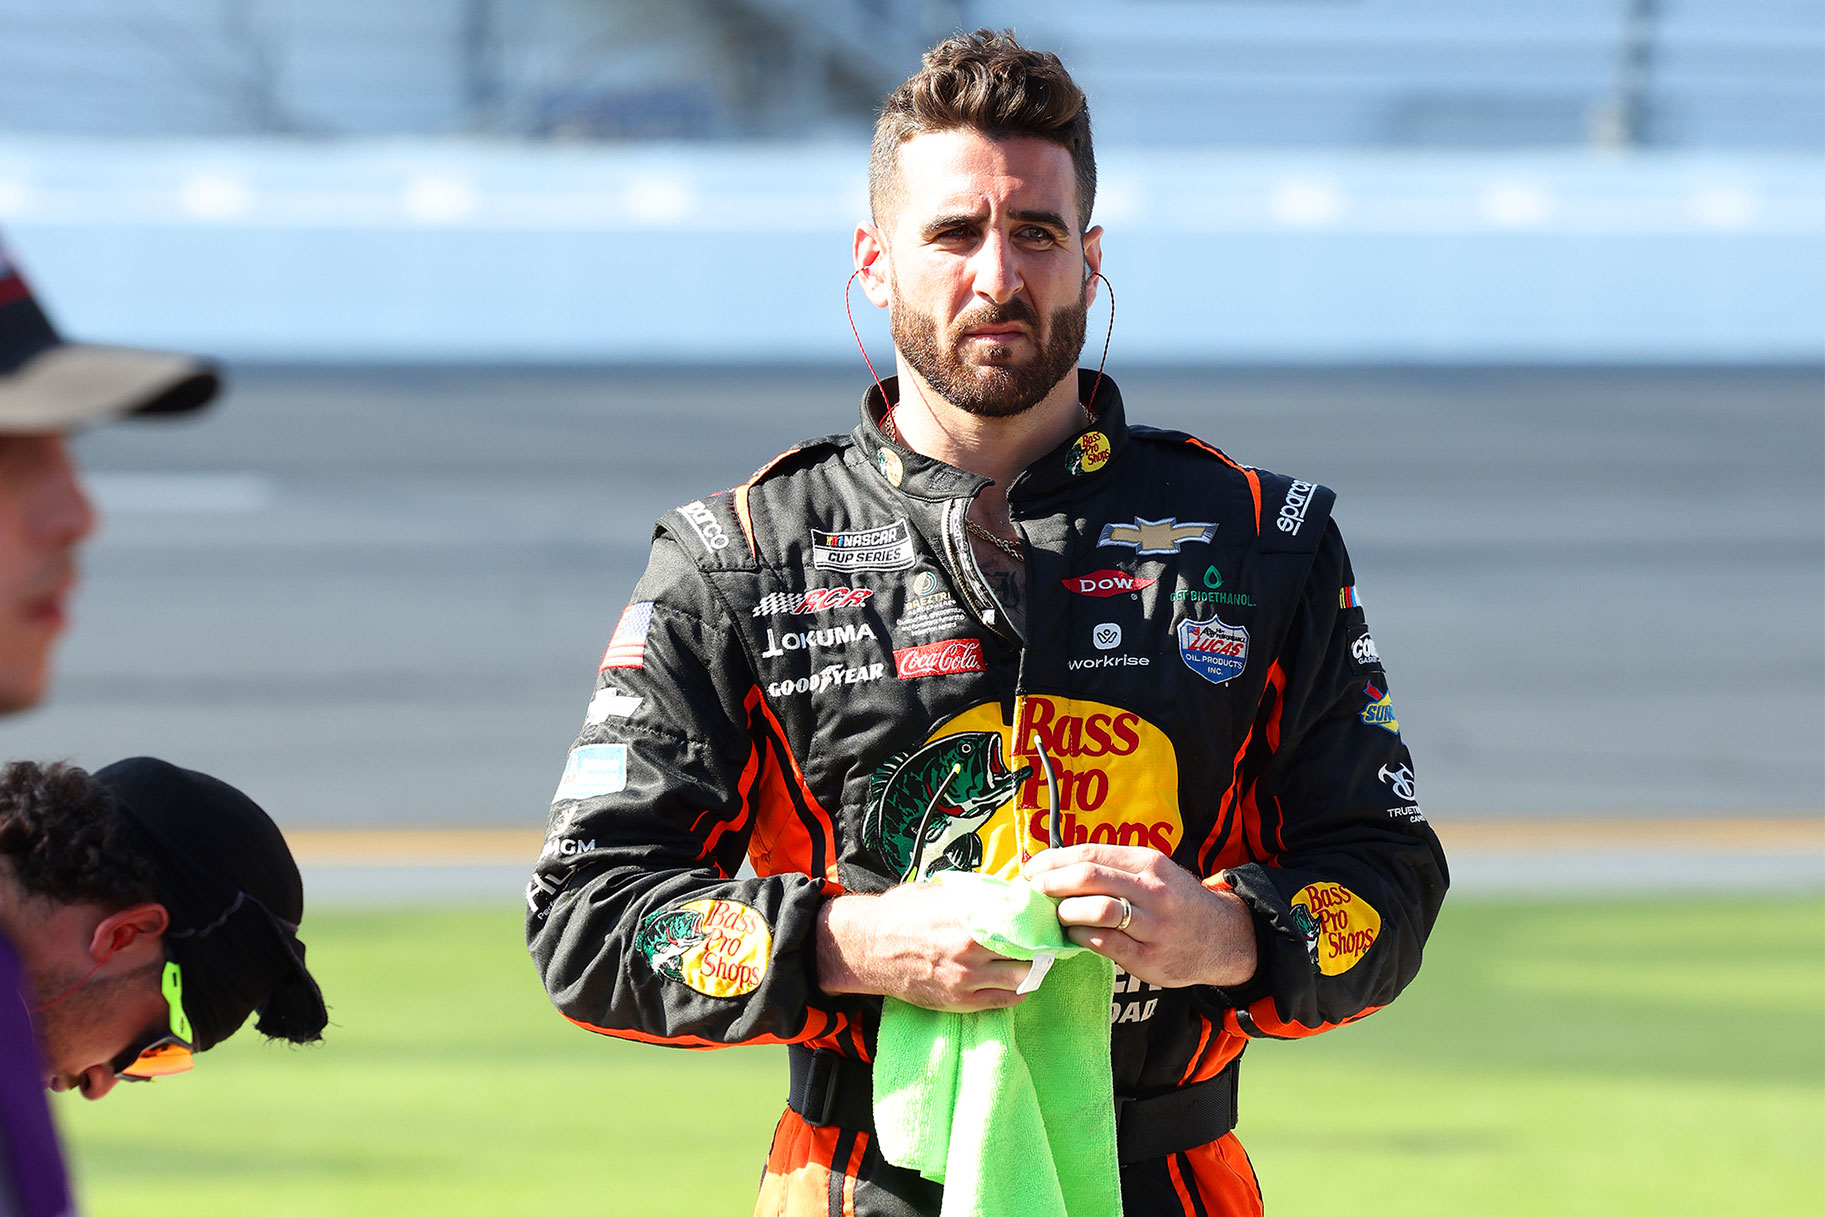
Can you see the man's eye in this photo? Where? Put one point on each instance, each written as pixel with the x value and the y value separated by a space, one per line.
pixel 1041 236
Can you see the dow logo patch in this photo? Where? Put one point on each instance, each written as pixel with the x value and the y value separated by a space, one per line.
pixel 1339 926
pixel 718 947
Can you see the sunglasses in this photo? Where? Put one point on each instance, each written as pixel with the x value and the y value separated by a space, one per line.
pixel 165 1050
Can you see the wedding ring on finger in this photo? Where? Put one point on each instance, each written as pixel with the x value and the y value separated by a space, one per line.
pixel 1127 913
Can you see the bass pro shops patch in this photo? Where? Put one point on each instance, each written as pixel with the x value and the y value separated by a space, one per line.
pixel 718 947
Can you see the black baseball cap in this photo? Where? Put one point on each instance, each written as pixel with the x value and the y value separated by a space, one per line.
pixel 47 384
pixel 225 875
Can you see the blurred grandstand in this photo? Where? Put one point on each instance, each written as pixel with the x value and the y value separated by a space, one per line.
pixel 1717 74
pixel 1379 180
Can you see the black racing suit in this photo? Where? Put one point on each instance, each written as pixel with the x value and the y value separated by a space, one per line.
pixel 813 675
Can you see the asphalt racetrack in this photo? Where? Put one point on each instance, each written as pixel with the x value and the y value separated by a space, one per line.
pixel 376 598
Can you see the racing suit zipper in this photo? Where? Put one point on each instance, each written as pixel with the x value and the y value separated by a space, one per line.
pixel 976 591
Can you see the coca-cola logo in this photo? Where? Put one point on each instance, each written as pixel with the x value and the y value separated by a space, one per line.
pixel 946 657
pixel 1106 583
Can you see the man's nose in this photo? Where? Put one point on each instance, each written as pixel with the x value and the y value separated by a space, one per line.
pixel 996 270
pixel 97 1081
pixel 62 514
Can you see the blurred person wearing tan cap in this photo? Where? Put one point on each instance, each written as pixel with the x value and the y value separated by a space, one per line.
pixel 48 389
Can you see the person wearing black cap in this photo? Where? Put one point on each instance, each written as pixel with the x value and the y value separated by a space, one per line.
pixel 49 388
pixel 154 909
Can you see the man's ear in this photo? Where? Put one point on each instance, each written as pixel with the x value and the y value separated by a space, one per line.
pixel 137 930
pixel 871 259
pixel 1093 262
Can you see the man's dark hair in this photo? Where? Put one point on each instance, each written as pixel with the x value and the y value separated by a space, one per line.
pixel 989 83
pixel 68 839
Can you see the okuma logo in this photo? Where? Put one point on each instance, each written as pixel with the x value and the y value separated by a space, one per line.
pixel 1107 636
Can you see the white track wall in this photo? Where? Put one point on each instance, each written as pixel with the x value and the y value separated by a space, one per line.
pixel 425 250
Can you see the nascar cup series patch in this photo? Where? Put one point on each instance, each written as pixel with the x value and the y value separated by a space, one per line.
pixel 1338 925
pixel 1215 651
pixel 718 947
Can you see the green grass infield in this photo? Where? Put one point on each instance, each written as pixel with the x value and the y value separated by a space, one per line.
pixel 1628 1056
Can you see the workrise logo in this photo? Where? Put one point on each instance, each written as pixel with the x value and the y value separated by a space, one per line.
pixel 718 947
pixel 812 600
pixel 1339 926
pixel 1106 583
pixel 1118 783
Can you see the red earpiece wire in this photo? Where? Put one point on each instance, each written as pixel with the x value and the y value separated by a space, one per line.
pixel 850 313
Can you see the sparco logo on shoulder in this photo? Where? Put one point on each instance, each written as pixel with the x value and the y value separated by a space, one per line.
pixel 708 529
pixel 1292 512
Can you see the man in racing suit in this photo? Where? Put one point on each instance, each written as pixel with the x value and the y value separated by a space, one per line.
pixel 845 671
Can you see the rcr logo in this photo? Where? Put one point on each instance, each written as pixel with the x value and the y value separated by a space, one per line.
pixel 1292 512
pixel 708 530
pixel 1400 781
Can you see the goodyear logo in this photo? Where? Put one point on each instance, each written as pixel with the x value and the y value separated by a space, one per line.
pixel 718 947
pixel 1339 926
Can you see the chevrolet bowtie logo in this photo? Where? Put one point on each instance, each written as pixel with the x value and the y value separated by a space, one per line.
pixel 1156 536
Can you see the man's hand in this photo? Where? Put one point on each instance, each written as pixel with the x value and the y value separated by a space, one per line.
pixel 1180 932
pixel 906 943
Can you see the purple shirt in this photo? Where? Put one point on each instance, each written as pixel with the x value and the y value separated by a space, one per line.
pixel 32 1182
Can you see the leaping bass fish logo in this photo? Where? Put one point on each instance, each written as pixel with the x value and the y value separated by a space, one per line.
pixel 925 807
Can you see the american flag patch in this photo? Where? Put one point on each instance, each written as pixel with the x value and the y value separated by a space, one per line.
pixel 1346 598
pixel 627 645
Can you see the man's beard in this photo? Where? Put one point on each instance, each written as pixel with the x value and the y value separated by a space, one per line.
pixel 992 390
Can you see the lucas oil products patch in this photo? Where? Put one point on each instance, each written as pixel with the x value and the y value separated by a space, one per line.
pixel 1213 650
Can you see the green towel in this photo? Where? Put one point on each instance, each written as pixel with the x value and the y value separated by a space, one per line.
pixel 1012 1110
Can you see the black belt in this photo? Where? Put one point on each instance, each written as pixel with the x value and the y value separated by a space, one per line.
pixel 830 1089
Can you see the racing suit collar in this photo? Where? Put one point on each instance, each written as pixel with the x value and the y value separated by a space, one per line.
pixel 928 478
